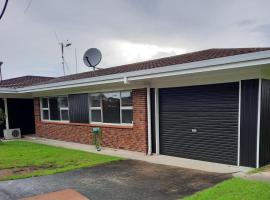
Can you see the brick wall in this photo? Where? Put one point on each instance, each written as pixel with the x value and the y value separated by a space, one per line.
pixel 132 138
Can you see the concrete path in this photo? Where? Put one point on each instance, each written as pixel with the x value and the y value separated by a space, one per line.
pixel 260 176
pixel 157 159
pixel 128 179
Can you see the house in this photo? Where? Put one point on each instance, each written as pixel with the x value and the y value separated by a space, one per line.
pixel 211 105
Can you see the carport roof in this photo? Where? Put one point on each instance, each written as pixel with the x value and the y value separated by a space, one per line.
pixel 23 81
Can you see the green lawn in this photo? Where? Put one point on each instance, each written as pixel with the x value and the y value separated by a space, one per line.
pixel 235 189
pixel 20 159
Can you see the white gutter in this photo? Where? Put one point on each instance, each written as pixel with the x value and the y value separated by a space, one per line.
pixel 7 90
pixel 157 120
pixel 239 123
pixel 6 113
pixel 230 62
pixel 259 125
pixel 149 135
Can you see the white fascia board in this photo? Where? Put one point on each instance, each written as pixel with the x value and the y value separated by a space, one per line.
pixel 74 83
pixel 243 60
pixel 8 90
pixel 173 72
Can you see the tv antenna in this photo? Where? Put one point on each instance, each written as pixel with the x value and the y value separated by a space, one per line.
pixel 63 45
pixel 92 58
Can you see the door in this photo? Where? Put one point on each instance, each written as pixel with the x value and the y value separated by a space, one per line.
pixel 2 118
pixel 200 122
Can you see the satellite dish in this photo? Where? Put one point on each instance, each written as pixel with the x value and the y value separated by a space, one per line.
pixel 92 57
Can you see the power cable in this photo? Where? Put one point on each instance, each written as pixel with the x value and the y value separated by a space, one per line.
pixel 4 9
pixel 56 37
pixel 28 6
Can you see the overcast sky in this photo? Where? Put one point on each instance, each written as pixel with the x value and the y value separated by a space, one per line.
pixel 124 30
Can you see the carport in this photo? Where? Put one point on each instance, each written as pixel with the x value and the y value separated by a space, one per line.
pixel 19 113
pixel 18 107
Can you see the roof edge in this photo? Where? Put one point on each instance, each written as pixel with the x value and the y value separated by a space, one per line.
pixel 8 90
pixel 254 58
pixel 262 57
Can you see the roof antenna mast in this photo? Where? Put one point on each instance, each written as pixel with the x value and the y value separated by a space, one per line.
pixel 63 45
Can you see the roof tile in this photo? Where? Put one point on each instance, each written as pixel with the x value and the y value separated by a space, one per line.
pixel 162 62
pixel 23 81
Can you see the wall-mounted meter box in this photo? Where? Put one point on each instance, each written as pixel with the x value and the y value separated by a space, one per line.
pixel 96 130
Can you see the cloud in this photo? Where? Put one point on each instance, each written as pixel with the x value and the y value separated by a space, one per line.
pixel 133 52
pixel 125 30
pixel 246 22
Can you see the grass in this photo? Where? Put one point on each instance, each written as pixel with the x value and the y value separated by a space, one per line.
pixel 20 159
pixel 235 189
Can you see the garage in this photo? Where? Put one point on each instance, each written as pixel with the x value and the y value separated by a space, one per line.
pixel 200 122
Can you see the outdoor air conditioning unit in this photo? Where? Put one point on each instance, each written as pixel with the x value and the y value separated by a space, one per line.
pixel 12 133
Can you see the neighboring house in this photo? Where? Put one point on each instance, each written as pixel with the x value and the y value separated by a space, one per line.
pixel 211 105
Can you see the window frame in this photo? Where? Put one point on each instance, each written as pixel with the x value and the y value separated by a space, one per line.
pixel 101 108
pixel 60 109
pixel 125 107
pixel 63 108
pixel 42 109
pixel 95 108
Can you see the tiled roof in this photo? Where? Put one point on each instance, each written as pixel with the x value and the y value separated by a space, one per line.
pixel 23 81
pixel 162 62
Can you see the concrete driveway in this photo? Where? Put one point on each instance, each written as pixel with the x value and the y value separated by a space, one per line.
pixel 128 179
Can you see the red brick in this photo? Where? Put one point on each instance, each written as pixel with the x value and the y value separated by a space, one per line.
pixel 120 137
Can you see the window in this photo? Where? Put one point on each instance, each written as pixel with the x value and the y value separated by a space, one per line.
pixel 63 102
pixel 55 109
pixel 45 108
pixel 126 107
pixel 111 107
pixel 95 107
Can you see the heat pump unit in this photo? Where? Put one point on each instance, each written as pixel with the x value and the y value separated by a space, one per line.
pixel 12 133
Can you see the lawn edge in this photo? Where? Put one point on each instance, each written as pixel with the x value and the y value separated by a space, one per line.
pixel 60 170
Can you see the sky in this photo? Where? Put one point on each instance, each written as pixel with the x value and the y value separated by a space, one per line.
pixel 125 31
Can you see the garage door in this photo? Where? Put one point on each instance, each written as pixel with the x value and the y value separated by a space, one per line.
pixel 200 122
